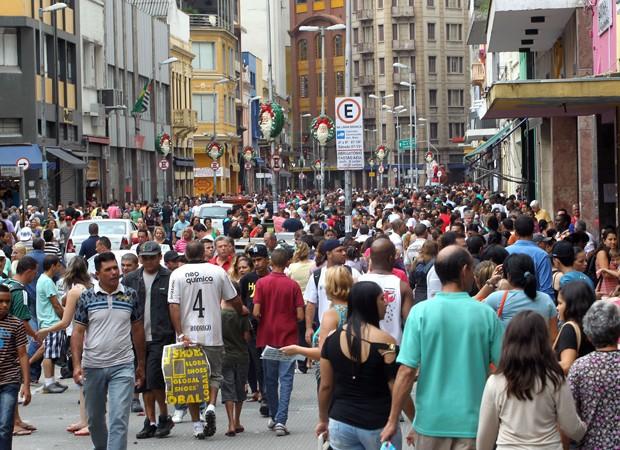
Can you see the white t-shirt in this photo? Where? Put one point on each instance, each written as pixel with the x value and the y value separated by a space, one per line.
pixel 314 295
pixel 392 322
pixel 413 250
pixel 198 290
pixel 148 284
pixel 397 241
pixel 433 284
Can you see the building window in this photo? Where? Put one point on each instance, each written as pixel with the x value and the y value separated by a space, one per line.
pixel 454 32
pixel 204 104
pixel 356 69
pixel 432 97
pixel 395 31
pixel 10 127
pixel 205 55
pixel 455 97
pixel 430 31
pixel 317 44
pixel 338 49
pixel 381 66
pixel 356 35
pixel 8 47
pixel 380 33
pixel 369 67
pixel 303 50
pixel 339 83
pixel 303 86
pixel 433 131
pixel 412 31
pixel 432 64
pixel 455 64
pixel 456 130
pixel 430 3
pixel 380 4
pixel 455 4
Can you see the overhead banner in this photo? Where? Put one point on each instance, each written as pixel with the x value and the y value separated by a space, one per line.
pixel 349 133
pixel 186 373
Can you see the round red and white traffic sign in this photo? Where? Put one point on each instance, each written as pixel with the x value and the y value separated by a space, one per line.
pixel 302 176
pixel 23 163
pixel 381 169
pixel 248 166
pixel 215 165
pixel 395 169
pixel 164 164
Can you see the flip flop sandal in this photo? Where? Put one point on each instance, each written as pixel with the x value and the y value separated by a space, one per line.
pixel 22 432
pixel 28 426
pixel 82 432
pixel 230 433
pixel 239 430
pixel 74 427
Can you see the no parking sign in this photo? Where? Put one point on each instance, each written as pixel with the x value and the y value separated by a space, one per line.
pixel 349 133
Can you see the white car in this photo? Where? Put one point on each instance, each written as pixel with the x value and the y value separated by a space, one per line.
pixel 217 212
pixel 117 253
pixel 121 232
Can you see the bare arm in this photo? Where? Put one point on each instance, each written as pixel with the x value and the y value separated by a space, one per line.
pixel 300 314
pixel 24 365
pixel 175 317
pixel 310 310
pixel 553 329
pixel 406 295
pixel 256 310
pixel 401 390
pixel 67 316
pixel 58 309
pixel 325 395
pixel 139 345
pixel 77 345
pixel 567 358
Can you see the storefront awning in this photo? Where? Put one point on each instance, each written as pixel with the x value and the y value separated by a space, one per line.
pixel 493 141
pixel 67 157
pixel 9 154
pixel 552 98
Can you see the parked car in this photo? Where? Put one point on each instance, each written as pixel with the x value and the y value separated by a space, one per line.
pixel 121 232
pixel 217 212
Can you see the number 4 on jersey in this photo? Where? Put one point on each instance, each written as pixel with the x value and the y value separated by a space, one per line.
pixel 198 305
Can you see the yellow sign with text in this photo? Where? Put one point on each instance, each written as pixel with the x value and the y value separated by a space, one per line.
pixel 186 373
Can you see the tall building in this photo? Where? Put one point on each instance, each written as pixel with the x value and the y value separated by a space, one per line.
pixel 306 80
pixel 216 92
pixel 429 38
pixel 31 89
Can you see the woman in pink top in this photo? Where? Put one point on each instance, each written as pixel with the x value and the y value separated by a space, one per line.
pixel 186 237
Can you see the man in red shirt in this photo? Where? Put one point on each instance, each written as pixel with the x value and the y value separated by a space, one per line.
pixel 278 305
pixel 225 248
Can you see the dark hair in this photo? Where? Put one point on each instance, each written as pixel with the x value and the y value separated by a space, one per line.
pixel 50 261
pixel 103 257
pixel 508 224
pixel 475 244
pixel 26 263
pixel 543 224
pixel 521 273
pixel 578 297
pixel 601 246
pixel 93 229
pixel 493 223
pixel 143 230
pixel 362 309
pixel 38 244
pixel 524 226
pixel 48 235
pixel 4 288
pixel 279 258
pixel 195 251
pixel 527 357
pixel 449 267
pixel 446 239
pixel 103 240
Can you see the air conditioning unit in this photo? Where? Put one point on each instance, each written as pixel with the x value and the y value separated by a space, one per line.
pixel 67 115
pixel 110 97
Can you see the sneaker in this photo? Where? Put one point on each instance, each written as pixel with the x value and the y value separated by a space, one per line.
pixel 264 409
pixel 179 415
pixel 136 407
pixel 199 432
pixel 148 431
pixel 271 424
pixel 164 426
pixel 280 430
pixel 64 387
pixel 210 427
pixel 54 389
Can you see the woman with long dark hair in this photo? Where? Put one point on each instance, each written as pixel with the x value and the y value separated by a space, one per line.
pixel 358 367
pixel 528 397
pixel 521 293
pixel 605 262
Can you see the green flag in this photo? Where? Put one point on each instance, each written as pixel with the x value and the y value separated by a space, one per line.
pixel 144 99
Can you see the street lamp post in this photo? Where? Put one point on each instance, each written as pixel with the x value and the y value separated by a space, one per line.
pixel 413 111
pixel 301 142
pixel 380 99
pixel 251 100
pixel 158 83
pixel 395 113
pixel 43 69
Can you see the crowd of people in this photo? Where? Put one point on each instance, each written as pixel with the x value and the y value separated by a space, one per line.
pixel 471 314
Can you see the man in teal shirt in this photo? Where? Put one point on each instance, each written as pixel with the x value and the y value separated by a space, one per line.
pixel 451 341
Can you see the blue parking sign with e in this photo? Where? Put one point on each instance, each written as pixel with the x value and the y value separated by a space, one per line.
pixel 340 134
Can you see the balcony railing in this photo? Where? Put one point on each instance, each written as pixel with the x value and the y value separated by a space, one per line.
pixel 184 118
pixel 402 11
pixel 210 21
pixel 365 47
pixel 405 44
pixel 364 14
pixel 478 74
pixel 367 80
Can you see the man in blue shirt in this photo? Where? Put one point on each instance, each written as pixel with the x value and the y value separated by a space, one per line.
pixel 524 230
pixel 89 246
pixel 179 226
pixel 450 341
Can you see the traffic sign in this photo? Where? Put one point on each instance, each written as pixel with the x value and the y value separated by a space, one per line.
pixel 381 169
pixel 349 133
pixel 275 163
pixel 404 144
pixel 395 169
pixel 318 177
pixel 215 165
pixel 248 166
pixel 23 163
pixel 302 176
pixel 164 164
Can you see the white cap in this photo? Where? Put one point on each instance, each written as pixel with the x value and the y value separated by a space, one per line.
pixel 426 222
pixel 25 234
pixel 2 254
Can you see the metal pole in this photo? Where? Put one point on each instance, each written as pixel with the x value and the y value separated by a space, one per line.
pixel 322 113
pixel 43 70
pixel 274 180
pixel 22 194
pixel 214 137
pixel 415 131
pixel 348 204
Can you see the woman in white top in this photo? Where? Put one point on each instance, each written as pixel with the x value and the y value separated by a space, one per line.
pixel 528 397
pixel 75 281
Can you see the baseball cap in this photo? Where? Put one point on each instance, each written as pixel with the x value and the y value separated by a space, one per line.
pixel 563 249
pixel 331 244
pixel 171 255
pixel 2 254
pixel 258 251
pixel 150 248
pixel 538 238
pixel 208 237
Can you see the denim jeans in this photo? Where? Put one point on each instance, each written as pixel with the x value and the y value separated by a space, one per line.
pixel 8 400
pixel 33 346
pixel 282 373
pixel 115 384
pixel 347 437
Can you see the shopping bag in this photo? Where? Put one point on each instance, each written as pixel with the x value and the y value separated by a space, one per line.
pixel 186 373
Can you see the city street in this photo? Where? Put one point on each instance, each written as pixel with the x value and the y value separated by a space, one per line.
pixel 52 413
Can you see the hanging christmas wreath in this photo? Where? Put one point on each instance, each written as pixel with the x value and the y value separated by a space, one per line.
pixel 215 150
pixel 270 120
pixel 162 143
pixel 323 129
pixel 317 164
pixel 381 152
pixel 248 153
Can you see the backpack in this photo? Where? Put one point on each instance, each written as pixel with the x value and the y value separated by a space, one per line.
pixel 591 268
pixel 317 275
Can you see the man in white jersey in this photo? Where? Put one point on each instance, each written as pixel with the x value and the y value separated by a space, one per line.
pixel 315 289
pixel 194 296
pixel 396 293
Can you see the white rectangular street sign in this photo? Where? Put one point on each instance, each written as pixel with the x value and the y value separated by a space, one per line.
pixel 349 133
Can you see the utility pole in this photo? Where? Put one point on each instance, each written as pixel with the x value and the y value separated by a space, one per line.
pixel 348 204
pixel 274 175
